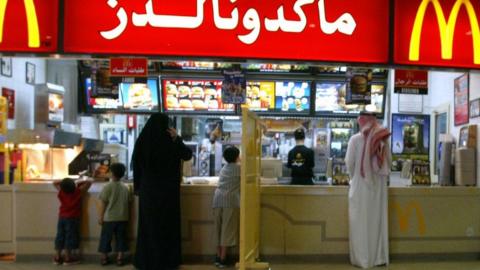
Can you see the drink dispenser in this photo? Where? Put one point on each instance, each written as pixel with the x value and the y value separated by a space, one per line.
pixel 465 157
pixel 445 174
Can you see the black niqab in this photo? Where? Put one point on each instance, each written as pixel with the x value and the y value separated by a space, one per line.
pixel 156 169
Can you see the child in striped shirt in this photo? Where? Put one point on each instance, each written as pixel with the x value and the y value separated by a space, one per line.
pixel 226 205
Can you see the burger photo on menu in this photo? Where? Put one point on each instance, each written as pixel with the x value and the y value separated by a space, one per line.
pixel 139 96
pixel 194 95
pixel 172 102
pixel 197 92
pixel 199 104
pixel 185 104
pixel 211 92
pixel 184 91
pixel 358 86
pixel 172 90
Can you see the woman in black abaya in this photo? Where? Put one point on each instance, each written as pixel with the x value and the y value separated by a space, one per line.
pixel 156 171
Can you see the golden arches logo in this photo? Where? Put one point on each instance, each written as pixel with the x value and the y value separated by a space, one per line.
pixel 32 22
pixel 406 212
pixel 446 28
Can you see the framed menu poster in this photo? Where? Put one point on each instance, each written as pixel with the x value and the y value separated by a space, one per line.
pixel 475 108
pixel 461 98
pixel 410 138
pixel 9 94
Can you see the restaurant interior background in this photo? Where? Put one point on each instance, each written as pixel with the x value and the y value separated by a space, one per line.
pixel 97 131
pixel 61 114
pixel 286 96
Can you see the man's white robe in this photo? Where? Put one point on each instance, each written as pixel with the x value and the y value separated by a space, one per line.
pixel 367 206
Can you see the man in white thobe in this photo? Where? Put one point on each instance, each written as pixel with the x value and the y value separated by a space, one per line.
pixel 368 162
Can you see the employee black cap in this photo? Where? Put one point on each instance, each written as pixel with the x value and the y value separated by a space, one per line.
pixel 299 134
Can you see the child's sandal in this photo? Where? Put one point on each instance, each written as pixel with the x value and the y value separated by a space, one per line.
pixel 105 261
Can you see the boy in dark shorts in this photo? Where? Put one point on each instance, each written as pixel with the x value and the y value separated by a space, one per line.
pixel 68 227
pixel 114 214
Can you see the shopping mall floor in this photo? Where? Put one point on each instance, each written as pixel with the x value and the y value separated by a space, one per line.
pixel 456 265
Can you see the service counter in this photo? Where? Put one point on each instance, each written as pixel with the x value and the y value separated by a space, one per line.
pixel 296 221
pixel 36 208
pixel 6 219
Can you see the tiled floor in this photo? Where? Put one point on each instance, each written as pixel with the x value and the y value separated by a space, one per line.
pixel 473 265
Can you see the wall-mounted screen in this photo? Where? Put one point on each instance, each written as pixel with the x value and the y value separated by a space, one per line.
pixel 330 99
pixel 203 96
pixel 279 97
pixel 139 96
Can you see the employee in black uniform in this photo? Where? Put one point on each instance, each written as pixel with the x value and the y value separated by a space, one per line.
pixel 301 161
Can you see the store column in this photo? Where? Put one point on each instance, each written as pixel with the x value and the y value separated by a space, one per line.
pixel 251 149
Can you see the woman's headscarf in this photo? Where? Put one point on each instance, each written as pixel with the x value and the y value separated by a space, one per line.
pixel 375 150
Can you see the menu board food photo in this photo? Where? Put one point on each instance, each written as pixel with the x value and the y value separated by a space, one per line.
pixel 195 65
pixel 260 96
pixel 292 96
pixel 139 96
pixel 280 68
pixel 99 103
pixel 331 98
pixel 194 95
pixel 55 107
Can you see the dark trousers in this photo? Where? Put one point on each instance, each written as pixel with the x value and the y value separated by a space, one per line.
pixel 68 234
pixel 111 229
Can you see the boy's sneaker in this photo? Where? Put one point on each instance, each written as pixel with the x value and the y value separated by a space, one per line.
pixel 105 261
pixel 120 262
pixel 57 260
pixel 217 261
pixel 222 264
pixel 71 261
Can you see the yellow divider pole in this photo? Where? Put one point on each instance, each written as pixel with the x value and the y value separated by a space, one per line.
pixel 251 155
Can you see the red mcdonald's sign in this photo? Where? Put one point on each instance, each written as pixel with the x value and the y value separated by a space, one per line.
pixel 315 30
pixel 29 26
pixel 437 33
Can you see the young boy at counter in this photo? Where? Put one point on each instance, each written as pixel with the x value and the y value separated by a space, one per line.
pixel 68 228
pixel 114 213
pixel 226 205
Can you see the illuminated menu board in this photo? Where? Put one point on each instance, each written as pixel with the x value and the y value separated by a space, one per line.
pixel 195 65
pixel 292 97
pixel 139 96
pixel 260 96
pixel 282 68
pixel 279 97
pixel 194 96
pixel 330 98
pixel 97 104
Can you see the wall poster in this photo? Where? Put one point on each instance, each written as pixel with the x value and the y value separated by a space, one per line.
pixel 460 96
pixel 9 94
pixel 410 139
